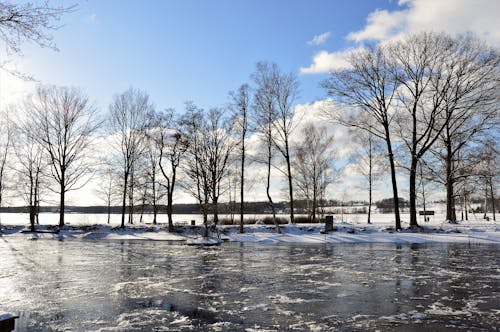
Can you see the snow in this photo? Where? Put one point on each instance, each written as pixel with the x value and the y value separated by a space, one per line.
pixel 353 229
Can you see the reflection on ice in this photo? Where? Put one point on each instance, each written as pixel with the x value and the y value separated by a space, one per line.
pixel 132 285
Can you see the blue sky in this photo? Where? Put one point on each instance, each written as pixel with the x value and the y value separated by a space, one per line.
pixel 190 50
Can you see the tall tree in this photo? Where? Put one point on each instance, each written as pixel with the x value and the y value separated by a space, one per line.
pixel 65 125
pixel 196 181
pixel 286 89
pixel 107 187
pixel 30 167
pixel 171 146
pixel 368 90
pixel 241 108
pixel 217 150
pixel 128 116
pixel 368 160
pixel 471 107
pixel 439 77
pixel 265 114
pixel 6 140
pixel 313 165
pixel 487 170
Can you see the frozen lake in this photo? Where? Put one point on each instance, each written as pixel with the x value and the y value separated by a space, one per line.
pixel 144 285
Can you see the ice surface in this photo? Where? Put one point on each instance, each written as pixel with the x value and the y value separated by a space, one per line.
pixel 125 285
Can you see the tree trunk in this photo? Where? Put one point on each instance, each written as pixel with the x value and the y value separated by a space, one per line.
pixel 109 212
pixel 216 210
pixel 370 202
pixel 492 198
pixel 154 198
pixel 268 187
pixel 370 179
pixel 124 201
pixel 169 211
pixel 242 182
pixel 450 201
pixel 465 205
pixel 413 192
pixel 290 185
pixel 394 183
pixel 314 202
pixel 61 204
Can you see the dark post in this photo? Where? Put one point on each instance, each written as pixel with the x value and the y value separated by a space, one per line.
pixel 328 224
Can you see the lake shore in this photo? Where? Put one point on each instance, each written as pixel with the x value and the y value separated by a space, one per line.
pixel 344 232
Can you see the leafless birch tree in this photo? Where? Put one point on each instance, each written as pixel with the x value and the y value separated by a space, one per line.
pixel 313 166
pixel 241 108
pixel 128 116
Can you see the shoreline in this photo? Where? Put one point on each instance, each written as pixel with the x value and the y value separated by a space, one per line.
pixel 291 233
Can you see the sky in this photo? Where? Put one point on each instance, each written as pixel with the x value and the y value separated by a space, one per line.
pixel 200 50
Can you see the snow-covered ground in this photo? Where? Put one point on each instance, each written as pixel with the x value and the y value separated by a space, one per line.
pixel 352 229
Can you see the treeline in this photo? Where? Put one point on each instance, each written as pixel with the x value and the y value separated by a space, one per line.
pixel 225 208
pixel 425 106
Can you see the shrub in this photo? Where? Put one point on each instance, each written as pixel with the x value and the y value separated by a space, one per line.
pixel 269 220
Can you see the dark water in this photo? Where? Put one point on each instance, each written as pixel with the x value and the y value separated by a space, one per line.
pixel 156 286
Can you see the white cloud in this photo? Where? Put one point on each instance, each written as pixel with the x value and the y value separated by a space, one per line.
pixel 319 39
pixel 451 16
pixel 381 24
pixel 317 113
pixel 325 62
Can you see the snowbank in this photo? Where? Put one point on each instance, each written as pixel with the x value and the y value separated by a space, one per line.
pixel 380 232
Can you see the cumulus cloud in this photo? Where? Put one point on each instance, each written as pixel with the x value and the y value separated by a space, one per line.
pixel 451 16
pixel 381 24
pixel 319 39
pixel 325 62
pixel 317 113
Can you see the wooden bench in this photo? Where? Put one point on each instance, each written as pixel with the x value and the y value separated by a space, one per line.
pixel 426 214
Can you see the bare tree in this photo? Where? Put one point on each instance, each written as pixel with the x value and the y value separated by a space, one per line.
pixel 5 145
pixel 241 109
pixel 28 22
pixel 313 165
pixel 171 146
pixel 471 109
pixel 286 88
pixel 152 192
pixel 368 160
pixel 367 89
pixel 438 77
pixel 30 167
pixel 128 114
pixel 65 124
pixel 107 189
pixel 196 180
pixel 218 147
pixel 265 114
pixel 487 170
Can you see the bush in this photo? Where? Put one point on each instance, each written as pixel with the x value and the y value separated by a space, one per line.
pixel 236 221
pixel 269 220
pixel 302 220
